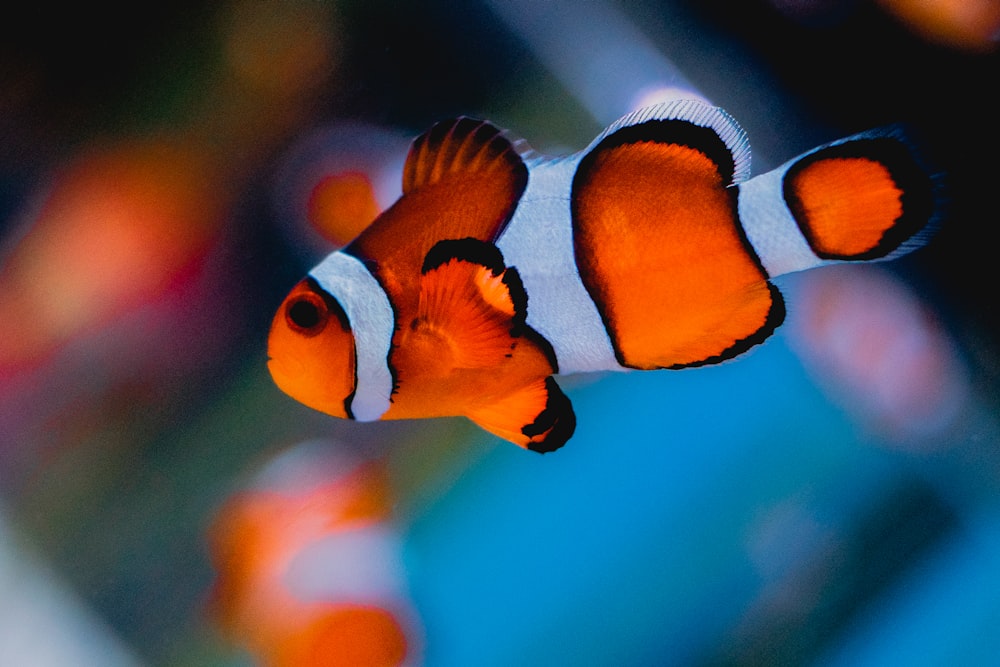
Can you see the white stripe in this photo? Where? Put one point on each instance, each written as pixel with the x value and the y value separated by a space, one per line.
pixel 360 566
pixel 538 241
pixel 770 227
pixel 372 322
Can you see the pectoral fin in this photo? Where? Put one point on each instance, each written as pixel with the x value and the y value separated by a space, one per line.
pixel 471 317
pixel 472 302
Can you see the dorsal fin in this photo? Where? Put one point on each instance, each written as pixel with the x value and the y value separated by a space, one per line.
pixel 695 114
pixel 458 145
pixel 462 179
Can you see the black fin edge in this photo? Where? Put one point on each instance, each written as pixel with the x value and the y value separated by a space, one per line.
pixel 468 249
pixel 557 417
pixel 488 255
pixel 775 318
pixel 519 296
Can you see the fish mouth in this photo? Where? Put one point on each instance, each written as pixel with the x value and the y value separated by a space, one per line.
pixel 275 369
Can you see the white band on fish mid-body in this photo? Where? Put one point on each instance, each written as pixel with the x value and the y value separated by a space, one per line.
pixel 538 242
pixel 770 227
pixel 372 322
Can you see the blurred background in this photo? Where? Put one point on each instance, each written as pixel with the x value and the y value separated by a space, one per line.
pixel 168 171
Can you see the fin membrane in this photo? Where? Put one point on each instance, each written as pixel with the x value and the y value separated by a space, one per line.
pixel 471 299
pixel 692 123
pixel 462 178
pixel 538 417
pixel 461 145
pixel 864 198
pixel 478 305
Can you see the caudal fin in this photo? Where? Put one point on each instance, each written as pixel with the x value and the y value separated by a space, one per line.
pixel 864 198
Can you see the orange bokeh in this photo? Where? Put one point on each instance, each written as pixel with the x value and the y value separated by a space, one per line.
pixel 342 205
pixel 972 25
pixel 116 226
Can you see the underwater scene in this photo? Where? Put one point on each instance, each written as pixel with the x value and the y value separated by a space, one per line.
pixel 201 466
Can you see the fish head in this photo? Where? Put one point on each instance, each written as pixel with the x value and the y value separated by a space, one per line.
pixel 311 350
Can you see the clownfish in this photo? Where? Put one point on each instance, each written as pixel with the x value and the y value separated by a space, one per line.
pixel 308 565
pixel 651 248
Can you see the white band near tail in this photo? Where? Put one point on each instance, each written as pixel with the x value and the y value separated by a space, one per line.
pixel 770 227
pixel 372 321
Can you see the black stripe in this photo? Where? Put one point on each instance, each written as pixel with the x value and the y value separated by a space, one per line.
pixel 775 317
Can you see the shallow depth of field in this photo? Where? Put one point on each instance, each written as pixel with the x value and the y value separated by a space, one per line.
pixel 830 498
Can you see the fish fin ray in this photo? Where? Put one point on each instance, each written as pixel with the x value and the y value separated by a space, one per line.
pixel 473 301
pixel 867 197
pixel 681 120
pixel 458 146
pixel 539 416
pixel 462 178
pixel 658 242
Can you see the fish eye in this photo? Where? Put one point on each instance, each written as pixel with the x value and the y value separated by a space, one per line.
pixel 307 314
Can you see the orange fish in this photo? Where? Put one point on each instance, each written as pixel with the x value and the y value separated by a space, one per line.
pixel 308 566
pixel 652 248
pixel 881 354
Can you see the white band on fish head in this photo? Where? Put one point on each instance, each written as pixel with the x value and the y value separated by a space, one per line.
pixel 372 322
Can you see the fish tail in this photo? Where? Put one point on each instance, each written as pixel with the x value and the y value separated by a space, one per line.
pixel 868 197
